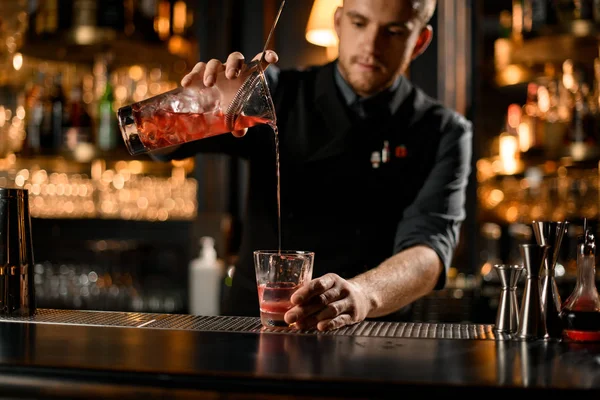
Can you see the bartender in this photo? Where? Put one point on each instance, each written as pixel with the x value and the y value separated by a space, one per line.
pixel 373 171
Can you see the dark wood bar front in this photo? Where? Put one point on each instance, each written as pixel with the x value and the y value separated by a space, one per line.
pixel 131 355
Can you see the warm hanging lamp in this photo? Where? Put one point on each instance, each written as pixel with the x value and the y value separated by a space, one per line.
pixel 320 28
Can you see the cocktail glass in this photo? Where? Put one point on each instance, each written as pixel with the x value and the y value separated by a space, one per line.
pixel 278 275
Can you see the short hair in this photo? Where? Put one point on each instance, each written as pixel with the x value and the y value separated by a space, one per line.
pixel 425 9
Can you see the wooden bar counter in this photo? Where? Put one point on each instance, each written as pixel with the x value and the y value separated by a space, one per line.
pixel 88 354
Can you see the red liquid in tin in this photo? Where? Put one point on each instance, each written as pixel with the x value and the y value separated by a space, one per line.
pixel 274 302
pixel 166 128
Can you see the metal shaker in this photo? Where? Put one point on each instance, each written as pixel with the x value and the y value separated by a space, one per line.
pixel 531 319
pixel 550 233
pixel 507 316
pixel 17 290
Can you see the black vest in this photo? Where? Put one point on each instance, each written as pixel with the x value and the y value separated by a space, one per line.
pixel 333 201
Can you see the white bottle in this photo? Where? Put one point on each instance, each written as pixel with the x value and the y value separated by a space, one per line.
pixel 205 280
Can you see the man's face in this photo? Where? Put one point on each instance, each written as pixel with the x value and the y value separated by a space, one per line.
pixel 377 41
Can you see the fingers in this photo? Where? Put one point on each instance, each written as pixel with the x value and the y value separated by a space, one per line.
pixel 213 67
pixel 326 313
pixel 311 299
pixel 240 133
pixel 314 288
pixel 203 72
pixel 207 72
pixel 195 75
pixel 314 306
pixel 328 302
pixel 270 58
pixel 234 65
pixel 335 323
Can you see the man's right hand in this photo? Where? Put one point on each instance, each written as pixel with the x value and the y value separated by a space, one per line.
pixel 206 73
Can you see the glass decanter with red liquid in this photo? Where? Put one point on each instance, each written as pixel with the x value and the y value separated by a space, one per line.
pixel 580 313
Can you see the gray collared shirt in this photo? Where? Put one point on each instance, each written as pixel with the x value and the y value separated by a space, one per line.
pixel 356 102
pixel 352 100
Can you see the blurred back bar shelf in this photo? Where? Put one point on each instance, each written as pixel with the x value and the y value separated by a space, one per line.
pixel 127 190
pixel 531 36
pixel 542 161
pixel 540 157
pixel 111 231
pixel 70 64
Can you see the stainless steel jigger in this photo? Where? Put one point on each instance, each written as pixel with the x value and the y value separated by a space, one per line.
pixel 531 319
pixel 507 317
pixel 550 233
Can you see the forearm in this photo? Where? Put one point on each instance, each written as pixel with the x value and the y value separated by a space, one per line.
pixel 400 280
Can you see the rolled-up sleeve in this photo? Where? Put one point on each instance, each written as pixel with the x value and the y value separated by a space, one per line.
pixel 434 218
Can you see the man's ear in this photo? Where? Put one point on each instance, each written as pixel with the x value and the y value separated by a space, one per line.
pixel 423 41
pixel 337 20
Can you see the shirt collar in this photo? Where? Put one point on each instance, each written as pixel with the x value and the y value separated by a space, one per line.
pixel 351 98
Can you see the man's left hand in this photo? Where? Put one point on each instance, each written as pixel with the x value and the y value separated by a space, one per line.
pixel 328 302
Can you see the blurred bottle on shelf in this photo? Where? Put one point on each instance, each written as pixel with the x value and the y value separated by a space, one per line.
pixel 107 120
pixel 575 10
pixel 78 131
pixel 34 113
pixel 581 129
pixel 46 119
pixel 530 130
pixel 596 11
pixel 51 124
pixel 111 14
pixel 59 104
pixel 529 17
